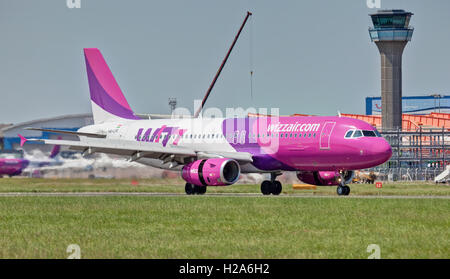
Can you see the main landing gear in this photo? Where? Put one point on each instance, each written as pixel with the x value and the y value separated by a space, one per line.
pixel 273 186
pixel 192 189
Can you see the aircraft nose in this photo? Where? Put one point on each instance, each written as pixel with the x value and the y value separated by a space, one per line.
pixel 382 150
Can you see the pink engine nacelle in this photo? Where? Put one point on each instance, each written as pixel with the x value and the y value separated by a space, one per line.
pixel 324 178
pixel 211 172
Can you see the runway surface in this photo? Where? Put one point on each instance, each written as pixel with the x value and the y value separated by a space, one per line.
pixel 256 195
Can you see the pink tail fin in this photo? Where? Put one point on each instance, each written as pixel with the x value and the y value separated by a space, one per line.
pixel 22 140
pixel 107 99
pixel 55 150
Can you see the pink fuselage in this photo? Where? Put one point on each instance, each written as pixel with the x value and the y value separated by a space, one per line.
pixel 316 143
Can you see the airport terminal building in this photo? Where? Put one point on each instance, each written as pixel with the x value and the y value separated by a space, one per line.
pixel 413 104
pixel 9 139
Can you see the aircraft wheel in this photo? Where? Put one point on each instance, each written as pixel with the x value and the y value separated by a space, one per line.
pixel 200 190
pixel 340 190
pixel 276 187
pixel 347 190
pixel 189 189
pixel 196 190
pixel 266 186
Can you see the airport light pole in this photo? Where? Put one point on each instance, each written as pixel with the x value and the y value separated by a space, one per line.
pixel 437 96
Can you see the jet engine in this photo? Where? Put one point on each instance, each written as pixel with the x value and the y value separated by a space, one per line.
pixel 325 178
pixel 211 172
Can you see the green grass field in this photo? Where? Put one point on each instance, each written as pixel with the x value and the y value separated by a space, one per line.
pixel 177 186
pixel 221 227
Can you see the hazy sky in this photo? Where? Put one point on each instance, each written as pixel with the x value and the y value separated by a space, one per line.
pixel 309 56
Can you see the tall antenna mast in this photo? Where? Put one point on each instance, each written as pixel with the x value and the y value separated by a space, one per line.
pixel 221 66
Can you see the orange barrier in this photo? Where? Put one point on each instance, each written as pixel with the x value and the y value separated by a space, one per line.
pixel 303 187
pixel 409 125
pixel 441 115
pixel 428 120
pixel 301 114
pixel 375 120
pixel 410 122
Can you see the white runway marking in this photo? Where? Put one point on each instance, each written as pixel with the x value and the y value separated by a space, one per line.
pixel 146 194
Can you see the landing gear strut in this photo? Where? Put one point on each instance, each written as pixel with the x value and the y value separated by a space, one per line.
pixel 273 186
pixel 192 189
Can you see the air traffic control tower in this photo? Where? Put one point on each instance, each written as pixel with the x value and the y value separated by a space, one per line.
pixel 391 32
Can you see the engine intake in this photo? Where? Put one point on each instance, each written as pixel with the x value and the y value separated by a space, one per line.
pixel 212 172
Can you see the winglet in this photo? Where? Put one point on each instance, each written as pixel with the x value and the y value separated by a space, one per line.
pixel 22 140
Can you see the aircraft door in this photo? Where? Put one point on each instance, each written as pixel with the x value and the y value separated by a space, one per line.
pixel 325 135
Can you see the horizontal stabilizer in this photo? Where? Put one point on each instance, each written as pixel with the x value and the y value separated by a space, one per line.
pixel 91 135
pixel 120 147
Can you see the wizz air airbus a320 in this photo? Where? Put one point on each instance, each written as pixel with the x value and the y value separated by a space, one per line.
pixel 322 150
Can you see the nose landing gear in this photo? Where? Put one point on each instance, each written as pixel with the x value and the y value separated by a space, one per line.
pixel 273 186
pixel 343 190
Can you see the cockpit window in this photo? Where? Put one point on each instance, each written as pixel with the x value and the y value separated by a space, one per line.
pixel 357 134
pixel 369 133
pixel 362 133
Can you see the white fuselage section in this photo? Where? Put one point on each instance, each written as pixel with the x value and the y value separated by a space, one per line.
pixel 203 135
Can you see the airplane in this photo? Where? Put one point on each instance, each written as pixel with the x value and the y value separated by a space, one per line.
pixel 322 150
pixel 13 164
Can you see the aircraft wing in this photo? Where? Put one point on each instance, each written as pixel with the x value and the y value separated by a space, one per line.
pixel 67 132
pixel 136 150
